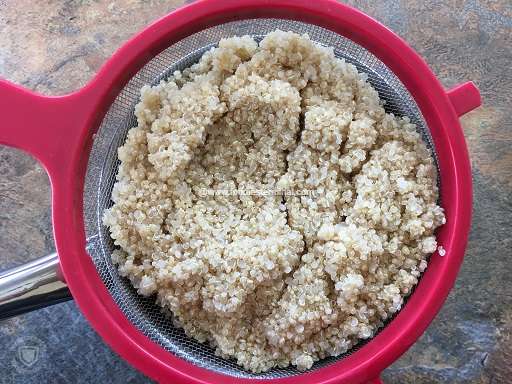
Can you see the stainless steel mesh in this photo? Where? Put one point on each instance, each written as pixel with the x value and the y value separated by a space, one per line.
pixel 103 164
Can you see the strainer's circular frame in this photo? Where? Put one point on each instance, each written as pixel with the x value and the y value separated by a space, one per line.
pixel 59 131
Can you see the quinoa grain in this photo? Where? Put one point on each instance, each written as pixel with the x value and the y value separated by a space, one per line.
pixel 277 279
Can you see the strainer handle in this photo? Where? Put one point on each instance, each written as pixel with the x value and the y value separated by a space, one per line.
pixel 47 127
pixel 34 285
pixel 50 129
pixel 464 98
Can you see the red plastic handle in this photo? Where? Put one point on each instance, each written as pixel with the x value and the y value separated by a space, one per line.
pixel 42 126
pixel 464 98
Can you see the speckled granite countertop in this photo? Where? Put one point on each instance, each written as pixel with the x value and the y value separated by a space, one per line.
pixel 55 46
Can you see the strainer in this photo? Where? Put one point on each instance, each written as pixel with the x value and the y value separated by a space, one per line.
pixel 76 138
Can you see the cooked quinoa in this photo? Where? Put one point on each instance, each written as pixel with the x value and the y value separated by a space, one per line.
pixel 279 278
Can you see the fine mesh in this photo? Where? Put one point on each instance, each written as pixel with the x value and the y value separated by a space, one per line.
pixel 103 164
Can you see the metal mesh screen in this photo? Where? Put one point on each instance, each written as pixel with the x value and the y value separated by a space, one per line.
pixel 103 164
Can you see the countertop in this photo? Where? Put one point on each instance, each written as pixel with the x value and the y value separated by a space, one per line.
pixel 55 47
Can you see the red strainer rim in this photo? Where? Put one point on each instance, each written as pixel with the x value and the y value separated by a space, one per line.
pixel 59 132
